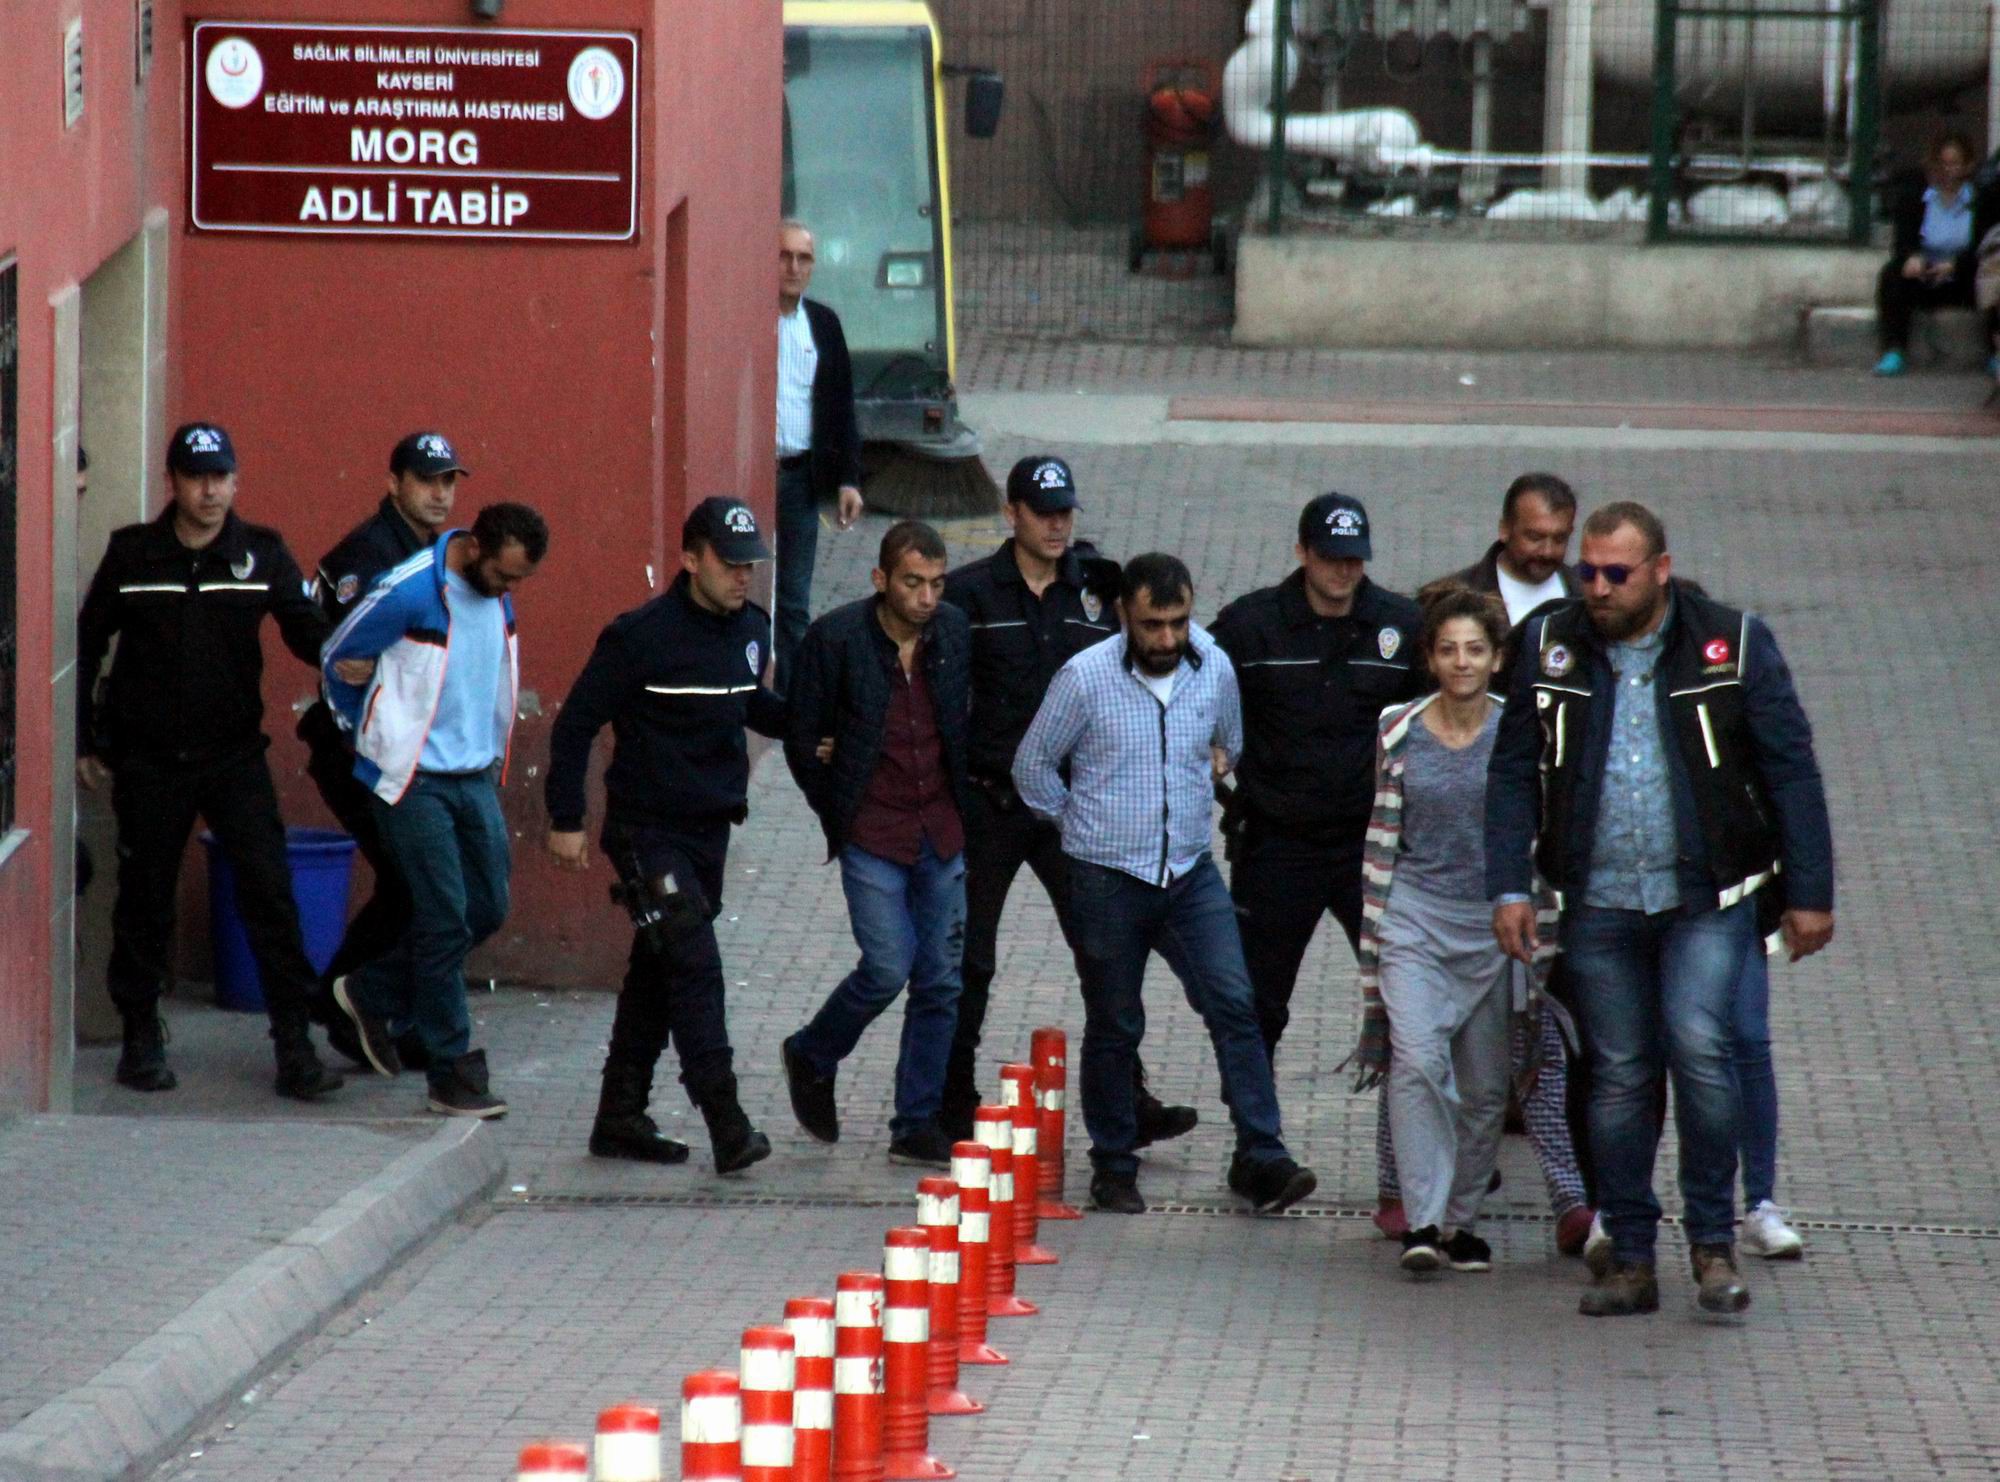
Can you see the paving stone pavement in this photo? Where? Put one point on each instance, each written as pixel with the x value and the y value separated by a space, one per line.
pixel 1291 1348
pixel 94 1201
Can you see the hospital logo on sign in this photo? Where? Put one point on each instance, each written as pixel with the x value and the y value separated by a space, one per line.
pixel 596 83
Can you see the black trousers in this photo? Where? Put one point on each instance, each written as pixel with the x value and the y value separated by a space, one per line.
pixel 1001 835
pixel 1282 886
pixel 156 804
pixel 379 924
pixel 1898 301
pixel 675 992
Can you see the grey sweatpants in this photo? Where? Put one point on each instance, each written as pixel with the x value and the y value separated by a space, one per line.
pixel 1449 994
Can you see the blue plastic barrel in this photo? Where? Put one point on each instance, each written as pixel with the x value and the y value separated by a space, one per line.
pixel 322 863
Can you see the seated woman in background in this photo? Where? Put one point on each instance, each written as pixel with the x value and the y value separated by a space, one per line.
pixel 1939 222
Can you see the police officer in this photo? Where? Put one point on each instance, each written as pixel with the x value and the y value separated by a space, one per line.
pixel 423 481
pixel 182 730
pixel 1317 658
pixel 677 681
pixel 1033 603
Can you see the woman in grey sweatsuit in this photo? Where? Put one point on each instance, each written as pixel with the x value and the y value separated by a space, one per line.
pixel 1447 992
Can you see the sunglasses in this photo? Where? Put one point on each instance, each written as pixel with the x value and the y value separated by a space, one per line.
pixel 1617 573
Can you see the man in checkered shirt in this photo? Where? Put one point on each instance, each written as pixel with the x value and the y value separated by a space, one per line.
pixel 1121 757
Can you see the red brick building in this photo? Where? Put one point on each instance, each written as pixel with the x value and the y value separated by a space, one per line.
pixel 607 370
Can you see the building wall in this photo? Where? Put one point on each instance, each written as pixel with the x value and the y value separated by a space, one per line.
pixel 603 383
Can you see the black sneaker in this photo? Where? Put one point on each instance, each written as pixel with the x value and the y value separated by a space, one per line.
pixel 371 1035
pixel 142 1062
pixel 1272 1186
pixel 1467 1252
pixel 812 1096
pixel 459 1089
pixel 1159 1122
pixel 635 1136
pixel 342 1038
pixel 301 1075
pixel 1116 1193
pixel 927 1147
pixel 1422 1255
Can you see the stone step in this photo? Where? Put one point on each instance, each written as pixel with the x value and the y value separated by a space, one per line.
pixel 1844 334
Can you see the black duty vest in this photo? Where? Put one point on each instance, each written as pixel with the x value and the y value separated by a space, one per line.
pixel 1702 668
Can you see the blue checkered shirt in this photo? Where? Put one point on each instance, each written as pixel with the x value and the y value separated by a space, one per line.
pixel 1140 796
pixel 1632 853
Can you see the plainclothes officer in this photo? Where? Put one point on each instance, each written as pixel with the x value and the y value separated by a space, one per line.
pixel 1034 604
pixel 423 480
pixel 1655 766
pixel 677 682
pixel 182 729
pixel 1318 657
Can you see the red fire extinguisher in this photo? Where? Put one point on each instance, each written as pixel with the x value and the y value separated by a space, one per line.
pixel 1182 119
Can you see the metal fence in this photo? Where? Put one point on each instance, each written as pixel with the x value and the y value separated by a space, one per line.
pixel 1616 120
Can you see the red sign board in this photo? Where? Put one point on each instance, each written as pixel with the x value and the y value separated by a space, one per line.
pixel 425 131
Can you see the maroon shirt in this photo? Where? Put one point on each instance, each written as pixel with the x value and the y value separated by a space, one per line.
pixel 909 798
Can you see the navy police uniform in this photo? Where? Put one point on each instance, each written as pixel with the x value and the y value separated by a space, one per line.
pixel 181 726
pixel 383 540
pixel 678 684
pixel 1313 691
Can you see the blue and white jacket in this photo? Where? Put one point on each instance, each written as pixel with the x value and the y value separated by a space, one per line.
pixel 404 624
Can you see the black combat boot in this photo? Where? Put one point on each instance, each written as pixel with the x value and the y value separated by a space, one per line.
pixel 301 1076
pixel 622 1129
pixel 142 1064
pixel 736 1143
pixel 1157 1120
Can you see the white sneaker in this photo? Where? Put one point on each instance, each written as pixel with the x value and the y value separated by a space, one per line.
pixel 1765 1233
pixel 1597 1248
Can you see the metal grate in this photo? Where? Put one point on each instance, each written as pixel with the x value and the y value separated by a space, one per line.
pixel 555 1202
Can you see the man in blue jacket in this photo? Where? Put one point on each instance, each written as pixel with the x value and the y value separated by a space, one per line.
pixel 430 731
pixel 1655 766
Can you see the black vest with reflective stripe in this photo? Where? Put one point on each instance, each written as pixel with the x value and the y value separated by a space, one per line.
pixel 1703 667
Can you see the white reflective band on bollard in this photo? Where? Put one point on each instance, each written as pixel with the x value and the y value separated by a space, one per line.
pixel 971 1173
pixel 812 1409
pixel 767 1445
pixel 906 1325
pixel 973 1226
pixel 855 1376
pixel 944 1267
pixel 1003 1187
pixel 1024 1139
pixel 628 1456
pixel 857 1309
pixel 766 1371
pixel 707 1419
pixel 900 1263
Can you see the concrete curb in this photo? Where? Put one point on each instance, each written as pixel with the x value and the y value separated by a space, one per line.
pixel 133 1413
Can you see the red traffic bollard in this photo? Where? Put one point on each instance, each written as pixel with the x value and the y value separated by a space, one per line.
pixel 1048 1048
pixel 972 1171
pixel 994 1126
pixel 628 1444
pixel 1017 1094
pixel 906 1348
pixel 552 1461
pixel 810 1322
pixel 711 1427
pixel 937 1212
pixel 766 1386
pixel 857 1377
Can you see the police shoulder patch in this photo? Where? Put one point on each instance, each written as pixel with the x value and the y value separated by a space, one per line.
pixel 754 652
pixel 345 589
pixel 1388 641
pixel 1557 661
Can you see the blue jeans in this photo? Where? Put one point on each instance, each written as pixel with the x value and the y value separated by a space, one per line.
pixel 798 546
pixel 1120 920
pixel 1756 1081
pixel 450 841
pixel 1657 994
pixel 909 922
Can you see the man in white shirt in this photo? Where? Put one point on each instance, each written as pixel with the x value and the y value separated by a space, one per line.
pixel 818 440
pixel 1527 565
